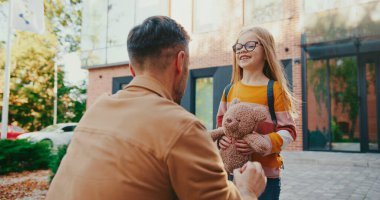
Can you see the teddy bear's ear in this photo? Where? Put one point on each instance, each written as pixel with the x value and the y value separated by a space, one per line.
pixel 235 101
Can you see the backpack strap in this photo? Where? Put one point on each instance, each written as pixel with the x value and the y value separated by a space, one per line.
pixel 270 98
pixel 272 111
pixel 227 90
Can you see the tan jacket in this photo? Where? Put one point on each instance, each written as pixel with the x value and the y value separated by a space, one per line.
pixel 139 144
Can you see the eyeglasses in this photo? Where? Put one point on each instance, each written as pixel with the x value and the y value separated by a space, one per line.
pixel 249 46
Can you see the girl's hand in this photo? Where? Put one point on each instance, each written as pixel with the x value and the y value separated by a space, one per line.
pixel 243 147
pixel 225 142
pixel 257 143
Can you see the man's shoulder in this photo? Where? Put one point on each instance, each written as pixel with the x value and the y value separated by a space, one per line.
pixel 176 112
pixel 152 109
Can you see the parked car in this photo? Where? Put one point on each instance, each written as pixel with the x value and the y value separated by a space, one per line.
pixel 54 135
pixel 13 131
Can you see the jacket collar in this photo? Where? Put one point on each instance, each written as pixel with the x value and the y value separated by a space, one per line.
pixel 150 84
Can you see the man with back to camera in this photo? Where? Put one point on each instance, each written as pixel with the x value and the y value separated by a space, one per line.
pixel 140 144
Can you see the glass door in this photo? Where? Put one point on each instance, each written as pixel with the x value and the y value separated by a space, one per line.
pixel 370 88
pixel 344 104
pixel 333 104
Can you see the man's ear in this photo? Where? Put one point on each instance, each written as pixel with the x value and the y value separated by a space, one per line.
pixel 180 61
pixel 131 70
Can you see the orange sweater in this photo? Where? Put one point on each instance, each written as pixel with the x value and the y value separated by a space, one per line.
pixel 280 136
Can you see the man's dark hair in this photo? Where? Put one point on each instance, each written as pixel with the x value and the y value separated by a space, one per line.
pixel 153 36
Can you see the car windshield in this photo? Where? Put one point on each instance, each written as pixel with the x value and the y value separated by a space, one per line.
pixel 50 128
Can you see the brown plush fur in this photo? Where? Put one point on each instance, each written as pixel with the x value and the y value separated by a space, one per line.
pixel 240 122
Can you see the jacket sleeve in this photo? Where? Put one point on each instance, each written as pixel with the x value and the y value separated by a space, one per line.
pixel 196 169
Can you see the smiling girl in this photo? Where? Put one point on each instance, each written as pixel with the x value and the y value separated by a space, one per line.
pixel 256 69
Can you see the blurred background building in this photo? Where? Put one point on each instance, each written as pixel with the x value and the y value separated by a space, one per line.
pixel 330 50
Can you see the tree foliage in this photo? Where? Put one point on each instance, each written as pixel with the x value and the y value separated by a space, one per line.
pixel 32 71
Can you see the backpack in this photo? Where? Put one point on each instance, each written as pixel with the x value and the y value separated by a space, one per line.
pixel 270 98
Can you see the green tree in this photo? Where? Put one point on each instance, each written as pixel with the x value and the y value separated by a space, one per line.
pixel 32 70
pixel 32 79
pixel 72 101
pixel 67 22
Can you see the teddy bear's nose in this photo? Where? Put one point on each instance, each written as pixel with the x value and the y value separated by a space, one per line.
pixel 229 120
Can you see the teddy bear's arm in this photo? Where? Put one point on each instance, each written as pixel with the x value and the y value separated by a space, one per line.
pixel 216 134
pixel 259 143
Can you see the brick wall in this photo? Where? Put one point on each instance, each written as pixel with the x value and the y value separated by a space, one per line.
pixel 100 81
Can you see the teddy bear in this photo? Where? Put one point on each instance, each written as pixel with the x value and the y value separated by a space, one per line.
pixel 240 123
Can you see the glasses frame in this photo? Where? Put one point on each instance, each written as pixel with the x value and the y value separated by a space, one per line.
pixel 245 46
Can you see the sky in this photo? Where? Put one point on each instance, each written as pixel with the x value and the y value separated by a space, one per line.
pixel 72 66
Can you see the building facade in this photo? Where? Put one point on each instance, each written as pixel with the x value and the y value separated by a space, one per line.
pixel 330 50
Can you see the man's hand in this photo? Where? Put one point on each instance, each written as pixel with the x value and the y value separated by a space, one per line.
pixel 250 180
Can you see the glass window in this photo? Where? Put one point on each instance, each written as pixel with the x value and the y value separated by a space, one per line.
pixel 94 33
pixel 94 25
pixel 149 8
pixel 68 128
pixel 207 15
pixel 344 104
pixel 120 23
pixel 117 54
pixel 258 11
pixel 181 12
pixel 93 57
pixel 333 106
pixel 317 105
pixel 119 83
pixel 106 25
pixel 340 19
pixel 321 5
pixel 204 101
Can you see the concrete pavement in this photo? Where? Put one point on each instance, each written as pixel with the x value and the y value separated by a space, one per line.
pixel 329 175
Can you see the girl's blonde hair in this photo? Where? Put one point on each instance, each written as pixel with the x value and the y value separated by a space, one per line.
pixel 273 68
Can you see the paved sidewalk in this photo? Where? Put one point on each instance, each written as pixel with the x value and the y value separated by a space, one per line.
pixel 324 175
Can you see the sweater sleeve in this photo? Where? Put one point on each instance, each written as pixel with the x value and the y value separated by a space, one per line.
pixel 222 109
pixel 286 129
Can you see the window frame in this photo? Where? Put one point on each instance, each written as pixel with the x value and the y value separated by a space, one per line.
pixel 221 77
pixel 117 82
